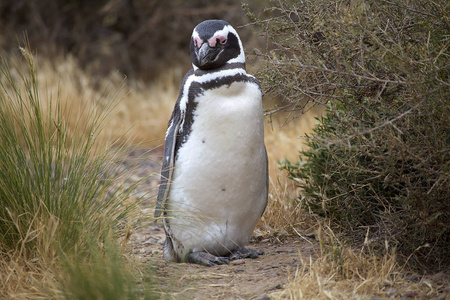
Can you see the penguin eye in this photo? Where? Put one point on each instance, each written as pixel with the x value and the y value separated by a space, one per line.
pixel 223 41
pixel 198 42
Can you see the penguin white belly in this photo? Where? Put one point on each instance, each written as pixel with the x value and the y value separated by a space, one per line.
pixel 219 190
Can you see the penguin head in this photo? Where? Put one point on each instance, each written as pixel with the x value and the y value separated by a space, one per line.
pixel 215 43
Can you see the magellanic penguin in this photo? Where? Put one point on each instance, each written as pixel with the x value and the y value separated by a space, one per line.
pixel 214 184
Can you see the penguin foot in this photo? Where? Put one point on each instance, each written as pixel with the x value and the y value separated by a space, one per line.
pixel 206 259
pixel 241 253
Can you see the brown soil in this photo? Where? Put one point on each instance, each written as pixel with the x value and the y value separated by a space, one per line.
pixel 241 279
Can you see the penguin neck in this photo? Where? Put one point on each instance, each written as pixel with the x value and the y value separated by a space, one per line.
pixel 227 66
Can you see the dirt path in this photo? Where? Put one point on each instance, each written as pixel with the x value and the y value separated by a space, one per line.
pixel 241 279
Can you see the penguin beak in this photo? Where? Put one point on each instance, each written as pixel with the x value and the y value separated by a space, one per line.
pixel 207 54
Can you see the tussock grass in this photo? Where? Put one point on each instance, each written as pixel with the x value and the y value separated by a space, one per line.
pixel 112 276
pixel 64 200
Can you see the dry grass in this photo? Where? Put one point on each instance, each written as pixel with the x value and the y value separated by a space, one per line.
pixel 340 272
pixel 141 114
pixel 284 140
pixel 35 277
pixel 146 109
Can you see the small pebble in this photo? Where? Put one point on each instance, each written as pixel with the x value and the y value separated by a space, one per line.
pixel 409 294
pixel 271 267
pixel 237 262
pixel 412 278
pixel 262 297
pixel 152 241
pixel 240 270
pixel 391 291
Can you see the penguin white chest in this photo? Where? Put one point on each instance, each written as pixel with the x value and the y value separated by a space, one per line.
pixel 219 187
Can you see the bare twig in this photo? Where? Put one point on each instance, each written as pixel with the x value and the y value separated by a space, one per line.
pixel 389 122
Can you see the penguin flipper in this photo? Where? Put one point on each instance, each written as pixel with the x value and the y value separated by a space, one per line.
pixel 168 162
pixel 175 122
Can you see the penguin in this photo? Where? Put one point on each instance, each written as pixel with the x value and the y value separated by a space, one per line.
pixel 214 176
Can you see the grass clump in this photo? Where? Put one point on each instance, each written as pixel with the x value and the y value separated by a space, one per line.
pixel 64 204
pixel 105 274
pixel 379 159
pixel 343 272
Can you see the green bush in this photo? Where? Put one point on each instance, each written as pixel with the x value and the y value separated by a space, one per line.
pixel 380 158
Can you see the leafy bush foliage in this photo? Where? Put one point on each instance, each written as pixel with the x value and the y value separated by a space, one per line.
pixel 380 158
